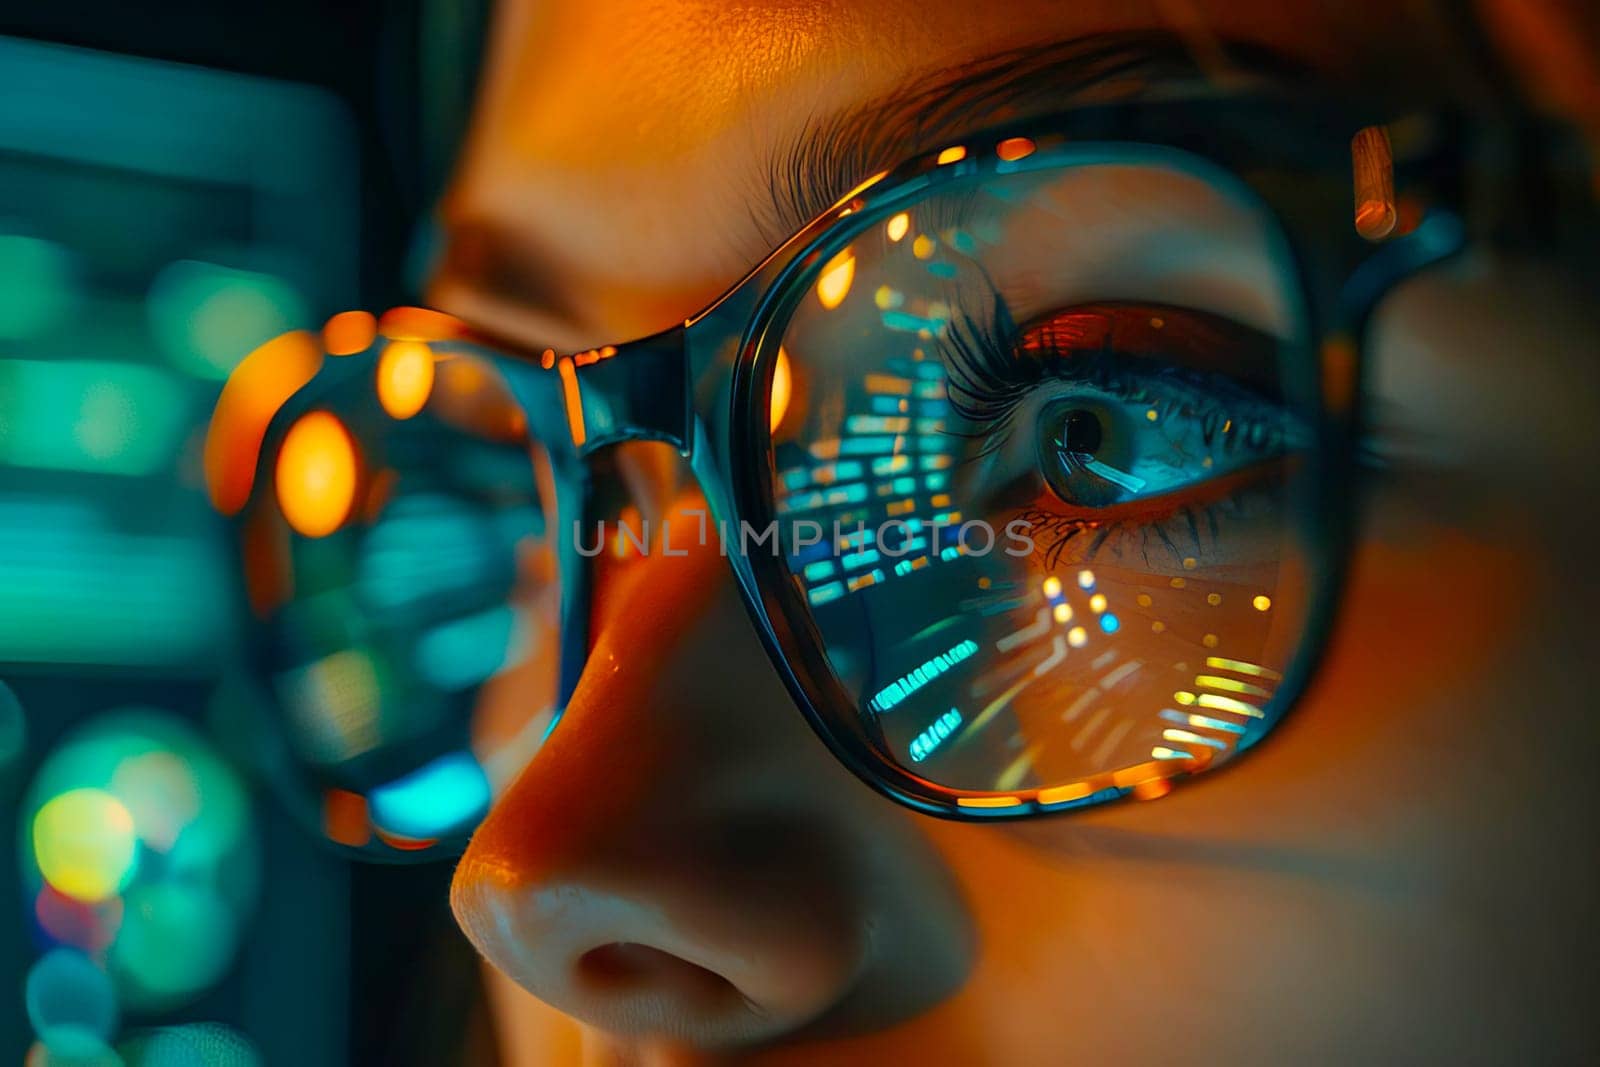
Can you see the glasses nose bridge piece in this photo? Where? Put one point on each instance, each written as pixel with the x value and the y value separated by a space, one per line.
pixel 636 391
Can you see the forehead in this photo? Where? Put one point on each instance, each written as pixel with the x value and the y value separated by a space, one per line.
pixel 623 155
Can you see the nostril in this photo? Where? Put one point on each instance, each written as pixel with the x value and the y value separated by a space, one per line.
pixel 629 967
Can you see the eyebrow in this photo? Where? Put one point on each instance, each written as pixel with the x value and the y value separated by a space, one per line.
pixel 831 154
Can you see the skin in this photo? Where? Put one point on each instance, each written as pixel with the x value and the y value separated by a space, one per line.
pixel 1405 870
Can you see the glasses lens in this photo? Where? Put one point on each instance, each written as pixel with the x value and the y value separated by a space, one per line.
pixel 397 555
pixel 1040 468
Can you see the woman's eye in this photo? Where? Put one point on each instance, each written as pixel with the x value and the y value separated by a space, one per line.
pixel 1096 447
pixel 1117 404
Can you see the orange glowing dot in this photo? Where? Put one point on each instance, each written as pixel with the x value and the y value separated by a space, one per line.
pixel 316 475
pixel 988 802
pixel 1013 148
pixel 1097 603
pixel 405 378
pixel 833 285
pixel 1077 637
pixel 922 247
pixel 1063 613
pixel 782 383
pixel 1052 587
pixel 547 358
pixel 349 332
pixel 898 226
pixel 953 154
pixel 573 400
pixel 1262 603
pixel 1063 793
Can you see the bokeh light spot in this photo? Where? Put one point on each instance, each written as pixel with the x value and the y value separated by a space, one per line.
pixel 349 332
pixel 207 317
pixel 184 834
pixel 405 378
pixel 193 1045
pixel 88 927
pixel 782 385
pixel 177 939
pixel 160 791
pixel 85 844
pixel 65 988
pixel 444 795
pixel 833 284
pixel 71 1046
pixel 316 474
pixel 1014 148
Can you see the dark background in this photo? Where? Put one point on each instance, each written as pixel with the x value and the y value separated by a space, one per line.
pixel 346 963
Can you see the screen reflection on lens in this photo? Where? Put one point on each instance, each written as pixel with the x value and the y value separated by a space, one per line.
pixel 1052 449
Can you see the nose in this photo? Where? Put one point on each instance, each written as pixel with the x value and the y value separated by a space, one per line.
pixel 683 860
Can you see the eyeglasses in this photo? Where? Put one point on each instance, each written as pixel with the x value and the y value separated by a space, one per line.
pixel 1033 459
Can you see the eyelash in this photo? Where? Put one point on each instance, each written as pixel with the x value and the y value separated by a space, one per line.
pixel 989 379
pixel 1055 531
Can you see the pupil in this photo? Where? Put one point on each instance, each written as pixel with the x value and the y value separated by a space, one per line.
pixel 1081 432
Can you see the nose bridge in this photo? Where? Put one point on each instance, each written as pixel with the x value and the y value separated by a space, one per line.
pixel 653 704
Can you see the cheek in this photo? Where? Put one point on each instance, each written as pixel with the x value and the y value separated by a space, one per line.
pixel 1423 631
pixel 1338 844
pixel 1362 784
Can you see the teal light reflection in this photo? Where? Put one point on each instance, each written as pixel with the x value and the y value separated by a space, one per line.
pixel 439 797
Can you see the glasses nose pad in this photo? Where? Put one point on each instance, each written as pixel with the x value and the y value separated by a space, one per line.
pixel 398 554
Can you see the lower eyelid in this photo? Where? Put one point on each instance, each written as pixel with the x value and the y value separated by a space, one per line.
pixel 1184 533
pixel 1157 508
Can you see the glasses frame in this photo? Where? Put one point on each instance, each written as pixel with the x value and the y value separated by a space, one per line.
pixel 703 386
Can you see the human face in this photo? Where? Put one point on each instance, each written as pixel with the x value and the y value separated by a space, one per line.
pixel 1362 883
